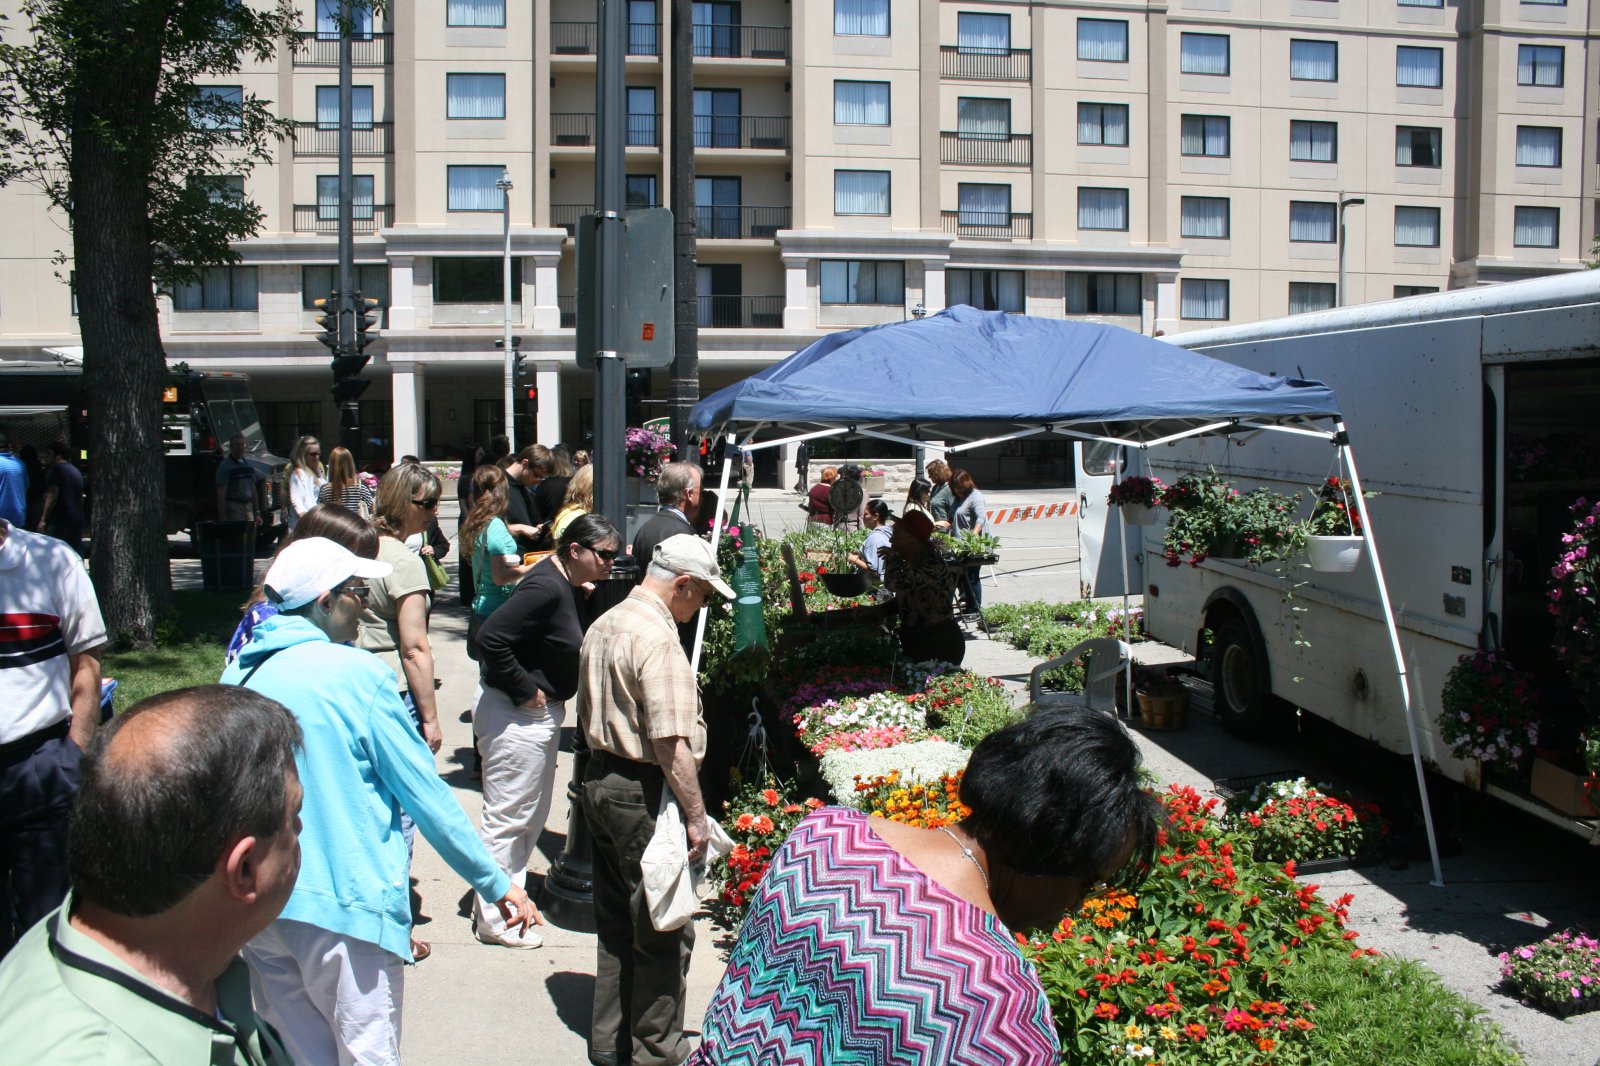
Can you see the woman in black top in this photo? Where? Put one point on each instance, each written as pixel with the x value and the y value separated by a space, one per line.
pixel 528 650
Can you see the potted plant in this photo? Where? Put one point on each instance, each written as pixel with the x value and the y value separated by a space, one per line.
pixel 1310 824
pixel 1209 518
pixel 646 453
pixel 969 548
pixel 1333 533
pixel 1138 497
pixel 1486 713
pixel 872 480
pixel 1559 974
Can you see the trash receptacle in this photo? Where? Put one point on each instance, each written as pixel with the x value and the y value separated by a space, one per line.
pixel 227 555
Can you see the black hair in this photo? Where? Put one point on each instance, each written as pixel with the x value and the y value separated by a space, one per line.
pixel 1083 803
pixel 148 827
pixel 588 530
pixel 881 509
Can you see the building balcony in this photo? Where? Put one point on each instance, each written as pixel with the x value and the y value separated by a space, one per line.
pixel 741 42
pixel 315 49
pixel 985 64
pixel 740 312
pixel 316 139
pixel 565 216
pixel 583 39
pixel 579 129
pixel 1006 150
pixel 988 225
pixel 323 219
pixel 769 132
pixel 722 222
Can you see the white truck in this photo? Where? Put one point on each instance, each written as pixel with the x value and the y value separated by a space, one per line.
pixel 1475 415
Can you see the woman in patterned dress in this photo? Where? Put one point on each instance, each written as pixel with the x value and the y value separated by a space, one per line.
pixel 870 942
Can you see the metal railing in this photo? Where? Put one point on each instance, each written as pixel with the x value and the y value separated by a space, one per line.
pixel 988 225
pixel 567 304
pixel 740 312
pixel 736 221
pixel 324 218
pixel 577 129
pixel 740 42
pixel 315 139
pixel 313 49
pixel 986 64
pixel 583 39
pixel 565 216
pixel 741 131
pixel 1014 150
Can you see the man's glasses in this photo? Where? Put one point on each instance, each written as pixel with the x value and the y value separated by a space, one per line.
pixel 607 554
pixel 427 505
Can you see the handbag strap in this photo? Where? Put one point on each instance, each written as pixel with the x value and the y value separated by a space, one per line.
pixel 259 664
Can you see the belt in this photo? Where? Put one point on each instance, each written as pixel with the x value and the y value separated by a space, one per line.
pixel 623 767
pixel 38 738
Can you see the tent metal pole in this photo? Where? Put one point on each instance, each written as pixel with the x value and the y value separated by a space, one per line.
pixel 1320 434
pixel 729 445
pixel 1399 657
pixel 1122 533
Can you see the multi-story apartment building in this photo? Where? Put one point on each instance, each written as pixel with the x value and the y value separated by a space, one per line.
pixel 1159 165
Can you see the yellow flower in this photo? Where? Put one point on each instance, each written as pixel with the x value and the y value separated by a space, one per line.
pixel 1134 1032
pixel 1168 1033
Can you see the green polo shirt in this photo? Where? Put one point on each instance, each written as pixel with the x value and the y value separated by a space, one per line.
pixel 66 1001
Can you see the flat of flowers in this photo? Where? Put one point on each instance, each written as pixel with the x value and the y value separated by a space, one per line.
pixel 1229 787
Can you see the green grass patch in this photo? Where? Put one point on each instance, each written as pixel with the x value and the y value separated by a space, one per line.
pixel 190 643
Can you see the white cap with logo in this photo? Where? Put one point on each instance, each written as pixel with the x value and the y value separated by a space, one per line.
pixel 686 554
pixel 307 568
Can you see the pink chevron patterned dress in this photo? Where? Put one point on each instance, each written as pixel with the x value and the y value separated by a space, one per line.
pixel 851 956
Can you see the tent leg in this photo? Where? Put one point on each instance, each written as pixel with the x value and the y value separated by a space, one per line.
pixel 1122 533
pixel 716 545
pixel 1399 660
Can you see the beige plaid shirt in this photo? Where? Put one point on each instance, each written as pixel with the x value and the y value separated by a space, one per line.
pixel 634 683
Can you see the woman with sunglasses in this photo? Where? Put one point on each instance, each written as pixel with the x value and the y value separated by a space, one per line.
pixel 528 649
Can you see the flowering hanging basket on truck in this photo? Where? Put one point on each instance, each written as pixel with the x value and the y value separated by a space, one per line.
pixel 1333 532
pixel 1138 497
pixel 1209 518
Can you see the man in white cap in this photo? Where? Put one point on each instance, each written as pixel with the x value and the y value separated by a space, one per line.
pixel 328 973
pixel 639 708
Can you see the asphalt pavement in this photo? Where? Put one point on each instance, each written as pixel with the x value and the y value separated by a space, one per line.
pixel 1508 877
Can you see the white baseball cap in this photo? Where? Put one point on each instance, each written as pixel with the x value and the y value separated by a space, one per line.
pixel 686 554
pixel 307 568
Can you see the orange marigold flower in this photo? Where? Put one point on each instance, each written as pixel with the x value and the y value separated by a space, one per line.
pixel 771 796
pixel 763 825
pixel 1266 1043
pixel 1106 1010
pixel 744 822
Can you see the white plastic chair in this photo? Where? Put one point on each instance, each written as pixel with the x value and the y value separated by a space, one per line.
pixel 1104 659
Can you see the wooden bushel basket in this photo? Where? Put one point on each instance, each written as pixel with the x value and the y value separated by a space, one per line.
pixel 1164 709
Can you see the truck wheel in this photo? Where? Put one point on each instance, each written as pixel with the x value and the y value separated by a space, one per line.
pixel 1241 685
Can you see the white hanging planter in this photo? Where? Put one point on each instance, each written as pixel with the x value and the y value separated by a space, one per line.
pixel 1138 514
pixel 1334 555
pixel 641 490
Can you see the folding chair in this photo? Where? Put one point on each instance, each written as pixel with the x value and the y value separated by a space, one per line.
pixel 1104 659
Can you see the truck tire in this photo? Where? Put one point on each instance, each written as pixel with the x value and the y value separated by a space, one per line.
pixel 1241 684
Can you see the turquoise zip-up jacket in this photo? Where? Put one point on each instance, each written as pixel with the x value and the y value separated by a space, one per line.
pixel 362 763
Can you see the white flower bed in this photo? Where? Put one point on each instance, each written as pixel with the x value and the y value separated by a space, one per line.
pixel 918 762
pixel 857 713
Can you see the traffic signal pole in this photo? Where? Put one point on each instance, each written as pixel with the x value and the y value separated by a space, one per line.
pixel 610 388
pixel 349 409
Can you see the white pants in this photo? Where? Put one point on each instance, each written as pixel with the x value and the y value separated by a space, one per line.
pixel 519 749
pixel 333 999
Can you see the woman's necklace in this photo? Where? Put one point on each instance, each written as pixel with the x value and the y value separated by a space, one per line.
pixel 973 859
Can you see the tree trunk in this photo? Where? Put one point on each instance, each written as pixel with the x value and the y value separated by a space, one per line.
pixel 124 366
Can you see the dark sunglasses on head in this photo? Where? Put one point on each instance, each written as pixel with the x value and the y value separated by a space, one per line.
pixel 608 554
pixel 427 505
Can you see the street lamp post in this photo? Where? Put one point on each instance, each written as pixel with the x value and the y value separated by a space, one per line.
pixel 504 185
pixel 1354 201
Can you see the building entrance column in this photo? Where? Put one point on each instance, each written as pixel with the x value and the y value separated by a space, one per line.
pixel 407 392
pixel 547 429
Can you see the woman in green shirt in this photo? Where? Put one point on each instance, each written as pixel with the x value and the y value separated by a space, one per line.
pixel 485 536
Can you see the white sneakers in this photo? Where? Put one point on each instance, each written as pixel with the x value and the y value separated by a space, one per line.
pixel 523 938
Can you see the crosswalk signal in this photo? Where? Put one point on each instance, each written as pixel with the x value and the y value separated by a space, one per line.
pixel 530 404
pixel 327 310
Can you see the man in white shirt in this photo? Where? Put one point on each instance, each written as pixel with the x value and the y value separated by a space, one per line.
pixel 51 635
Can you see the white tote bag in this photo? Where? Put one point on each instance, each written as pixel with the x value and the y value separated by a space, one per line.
pixel 672 884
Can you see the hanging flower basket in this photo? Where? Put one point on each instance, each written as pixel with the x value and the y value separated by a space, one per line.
pixel 1209 518
pixel 1137 514
pixel 1138 497
pixel 1333 533
pixel 1334 555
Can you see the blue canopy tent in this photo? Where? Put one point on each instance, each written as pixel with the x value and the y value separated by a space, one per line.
pixel 970 378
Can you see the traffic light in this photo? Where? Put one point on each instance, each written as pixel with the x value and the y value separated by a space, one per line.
pixel 521 365
pixel 531 401
pixel 367 312
pixel 328 318
pixel 348 384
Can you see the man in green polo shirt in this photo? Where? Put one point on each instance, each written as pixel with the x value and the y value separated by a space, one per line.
pixel 184 844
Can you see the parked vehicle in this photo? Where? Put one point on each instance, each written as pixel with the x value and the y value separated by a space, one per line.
pixel 1471 414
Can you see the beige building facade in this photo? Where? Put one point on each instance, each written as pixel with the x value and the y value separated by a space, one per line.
pixel 1160 166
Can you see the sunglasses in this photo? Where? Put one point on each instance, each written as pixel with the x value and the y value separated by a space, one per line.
pixel 606 554
pixel 360 592
pixel 427 505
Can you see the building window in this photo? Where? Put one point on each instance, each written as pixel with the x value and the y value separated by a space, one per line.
pixel 1536 227
pixel 860 281
pixel 860 103
pixel 318 283
pixel 475 280
pixel 983 205
pixel 983 34
pixel 227 288
pixel 328 21
pixel 1202 299
pixel 644 36
pixel 642 191
pixel 1549 3
pixel 475 96
pixel 717 116
pixel 1538 146
pixel 1102 208
pixel 1420 67
pixel 861 18
pixel 1205 217
pixel 1314 142
pixel 1416 227
pixel 1311 296
pixel 1311 222
pixel 1103 294
pixel 1540 64
pixel 987 290
pixel 1314 60
pixel 289 420
pixel 219 188
pixel 1205 135
pixel 361 196
pixel 473 188
pixel 1103 124
pixel 643 121
pixel 1203 53
pixel 1417 146
pixel 72 290
pixel 861 192
pixel 1402 291
pixel 1103 40
pixel 1420 3
pixel 717 206
pixel 982 119
pixel 475 13
pixel 216 107
pixel 328 107
pixel 716 27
